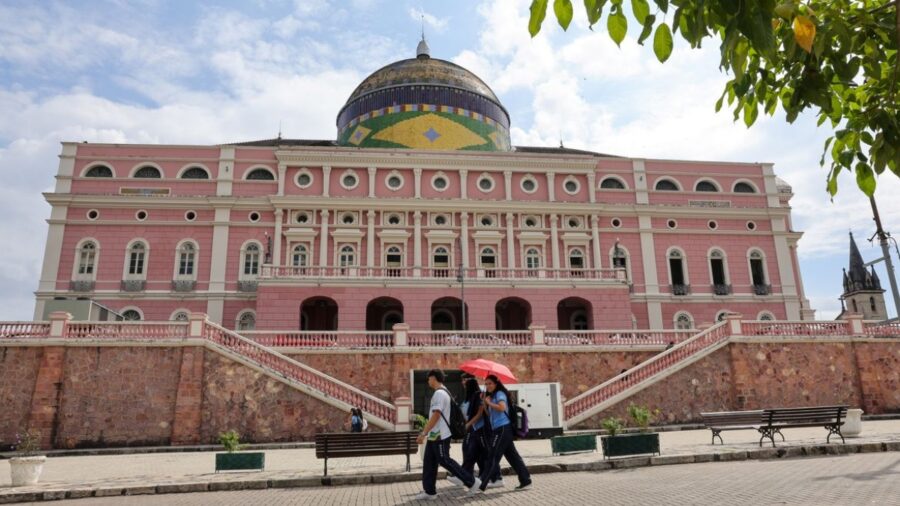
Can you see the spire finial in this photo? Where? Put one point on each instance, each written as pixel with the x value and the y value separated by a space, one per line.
pixel 422 50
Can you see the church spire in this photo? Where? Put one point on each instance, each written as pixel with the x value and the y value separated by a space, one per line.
pixel 422 50
pixel 857 277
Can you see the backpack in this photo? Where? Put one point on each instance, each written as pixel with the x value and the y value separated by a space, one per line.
pixel 519 420
pixel 365 424
pixel 457 421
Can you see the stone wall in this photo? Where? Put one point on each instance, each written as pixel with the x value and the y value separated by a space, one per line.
pixel 18 372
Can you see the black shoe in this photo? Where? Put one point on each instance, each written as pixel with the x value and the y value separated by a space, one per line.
pixel 524 486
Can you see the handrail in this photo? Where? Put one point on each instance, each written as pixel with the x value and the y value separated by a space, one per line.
pixel 646 369
pixel 321 339
pixel 9 330
pixel 299 372
pixel 469 338
pixel 616 337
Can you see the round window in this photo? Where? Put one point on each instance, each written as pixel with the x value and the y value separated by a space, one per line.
pixel 349 181
pixel 616 222
pixel 348 219
pixel 302 218
pixel 486 184
pixel 712 225
pixel 254 216
pixel 672 224
pixel 571 186
pixel 190 216
pixel 573 222
pixel 529 186
pixel 439 183
pixel 530 222
pixel 93 214
pixel 486 221
pixel 751 225
pixel 141 215
pixel 440 220
pixel 394 182
pixel 304 179
pixel 394 220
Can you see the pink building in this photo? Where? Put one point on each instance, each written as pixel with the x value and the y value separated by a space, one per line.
pixel 420 194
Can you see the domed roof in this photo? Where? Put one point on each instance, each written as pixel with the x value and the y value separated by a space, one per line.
pixel 423 70
pixel 424 103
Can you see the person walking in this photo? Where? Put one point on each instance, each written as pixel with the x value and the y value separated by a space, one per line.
pixel 475 444
pixel 496 403
pixel 436 436
pixel 356 420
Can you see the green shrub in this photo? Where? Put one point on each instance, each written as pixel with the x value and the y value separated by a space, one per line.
pixel 612 425
pixel 231 440
pixel 642 416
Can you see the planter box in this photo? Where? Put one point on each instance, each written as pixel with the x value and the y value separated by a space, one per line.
pixel 240 461
pixel 572 444
pixel 630 444
pixel 26 470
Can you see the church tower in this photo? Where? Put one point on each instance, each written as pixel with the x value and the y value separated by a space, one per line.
pixel 862 288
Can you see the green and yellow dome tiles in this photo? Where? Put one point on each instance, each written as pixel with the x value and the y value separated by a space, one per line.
pixel 424 103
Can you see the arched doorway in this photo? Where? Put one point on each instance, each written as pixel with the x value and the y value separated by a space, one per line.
pixel 318 314
pixel 574 313
pixel 512 313
pixel 446 314
pixel 383 313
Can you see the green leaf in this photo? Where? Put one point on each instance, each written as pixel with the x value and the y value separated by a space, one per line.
pixel 786 10
pixel 594 9
pixel 832 182
pixel 538 13
pixel 563 11
pixel 617 25
pixel 641 10
pixel 662 4
pixel 648 28
pixel 751 111
pixel 662 43
pixel 865 178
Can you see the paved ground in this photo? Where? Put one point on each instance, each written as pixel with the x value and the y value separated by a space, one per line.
pixel 853 479
pixel 163 468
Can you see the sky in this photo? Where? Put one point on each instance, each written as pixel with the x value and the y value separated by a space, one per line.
pixel 150 71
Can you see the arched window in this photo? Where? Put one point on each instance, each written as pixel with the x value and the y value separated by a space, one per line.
pixel 579 320
pixel 758 273
pixel 136 259
pixel 872 305
pixel 532 261
pixel 187 255
pixel 855 306
pixel 684 321
pixel 251 260
pixel 488 260
pixel 706 186
pixel 718 272
pixel 181 316
pixel 147 172
pixel 393 259
pixel 612 183
pixel 300 256
pixel 440 260
pixel 131 315
pixel 87 256
pixel 619 260
pixel 720 316
pixel 260 175
pixel 677 273
pixel 742 187
pixel 576 261
pixel 666 185
pixel 347 258
pixel 99 171
pixel 765 316
pixel 195 173
pixel 246 321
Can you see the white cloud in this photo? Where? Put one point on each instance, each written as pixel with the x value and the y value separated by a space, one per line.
pixel 437 24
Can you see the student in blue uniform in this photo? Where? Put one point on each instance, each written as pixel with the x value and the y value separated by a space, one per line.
pixel 496 403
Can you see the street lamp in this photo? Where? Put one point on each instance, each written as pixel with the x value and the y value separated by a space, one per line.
pixel 461 279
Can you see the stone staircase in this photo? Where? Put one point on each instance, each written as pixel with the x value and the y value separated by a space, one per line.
pixel 645 374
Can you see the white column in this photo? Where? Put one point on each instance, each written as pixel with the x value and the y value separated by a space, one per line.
pixel 463 184
pixel 417 173
pixel 282 172
pixel 276 255
pixel 226 173
pixel 592 187
pixel 510 242
pixel 53 248
pixel 323 238
pixel 66 167
pixel 417 243
pixel 507 184
pixel 640 182
pixel 326 180
pixel 215 306
pixel 595 233
pixel 551 187
pixel 370 239
pixel 372 172
pixel 464 238
pixel 554 238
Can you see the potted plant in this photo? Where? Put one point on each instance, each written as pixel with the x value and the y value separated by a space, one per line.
pixel 26 467
pixel 235 460
pixel 642 442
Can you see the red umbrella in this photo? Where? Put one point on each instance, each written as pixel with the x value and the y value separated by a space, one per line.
pixel 482 368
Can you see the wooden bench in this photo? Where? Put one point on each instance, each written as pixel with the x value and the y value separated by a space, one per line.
pixel 829 417
pixel 365 444
pixel 733 420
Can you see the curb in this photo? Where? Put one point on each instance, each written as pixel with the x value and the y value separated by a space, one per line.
pixel 370 479
pixel 137 450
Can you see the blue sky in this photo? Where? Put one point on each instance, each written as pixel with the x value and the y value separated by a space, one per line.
pixel 214 72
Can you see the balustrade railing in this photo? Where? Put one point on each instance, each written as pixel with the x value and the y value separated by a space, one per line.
pixel 645 370
pixel 796 328
pixel 470 338
pixel 13 330
pixel 616 337
pixel 471 273
pixel 126 330
pixel 882 329
pixel 301 373
pixel 323 339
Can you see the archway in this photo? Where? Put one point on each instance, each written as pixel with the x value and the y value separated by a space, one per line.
pixel 383 313
pixel 512 313
pixel 446 314
pixel 318 314
pixel 574 313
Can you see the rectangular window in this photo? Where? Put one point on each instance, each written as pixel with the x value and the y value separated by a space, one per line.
pixel 718 271
pixel 756 270
pixel 136 263
pixel 186 264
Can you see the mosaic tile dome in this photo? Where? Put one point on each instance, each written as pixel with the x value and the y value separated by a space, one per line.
pixel 424 103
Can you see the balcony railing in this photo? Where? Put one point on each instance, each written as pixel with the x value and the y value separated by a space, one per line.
pixel 616 337
pixel 183 285
pixel 81 285
pixel 680 289
pixel 321 339
pixel 247 285
pixel 470 273
pixel 470 338
pixel 762 289
pixel 721 289
pixel 133 285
